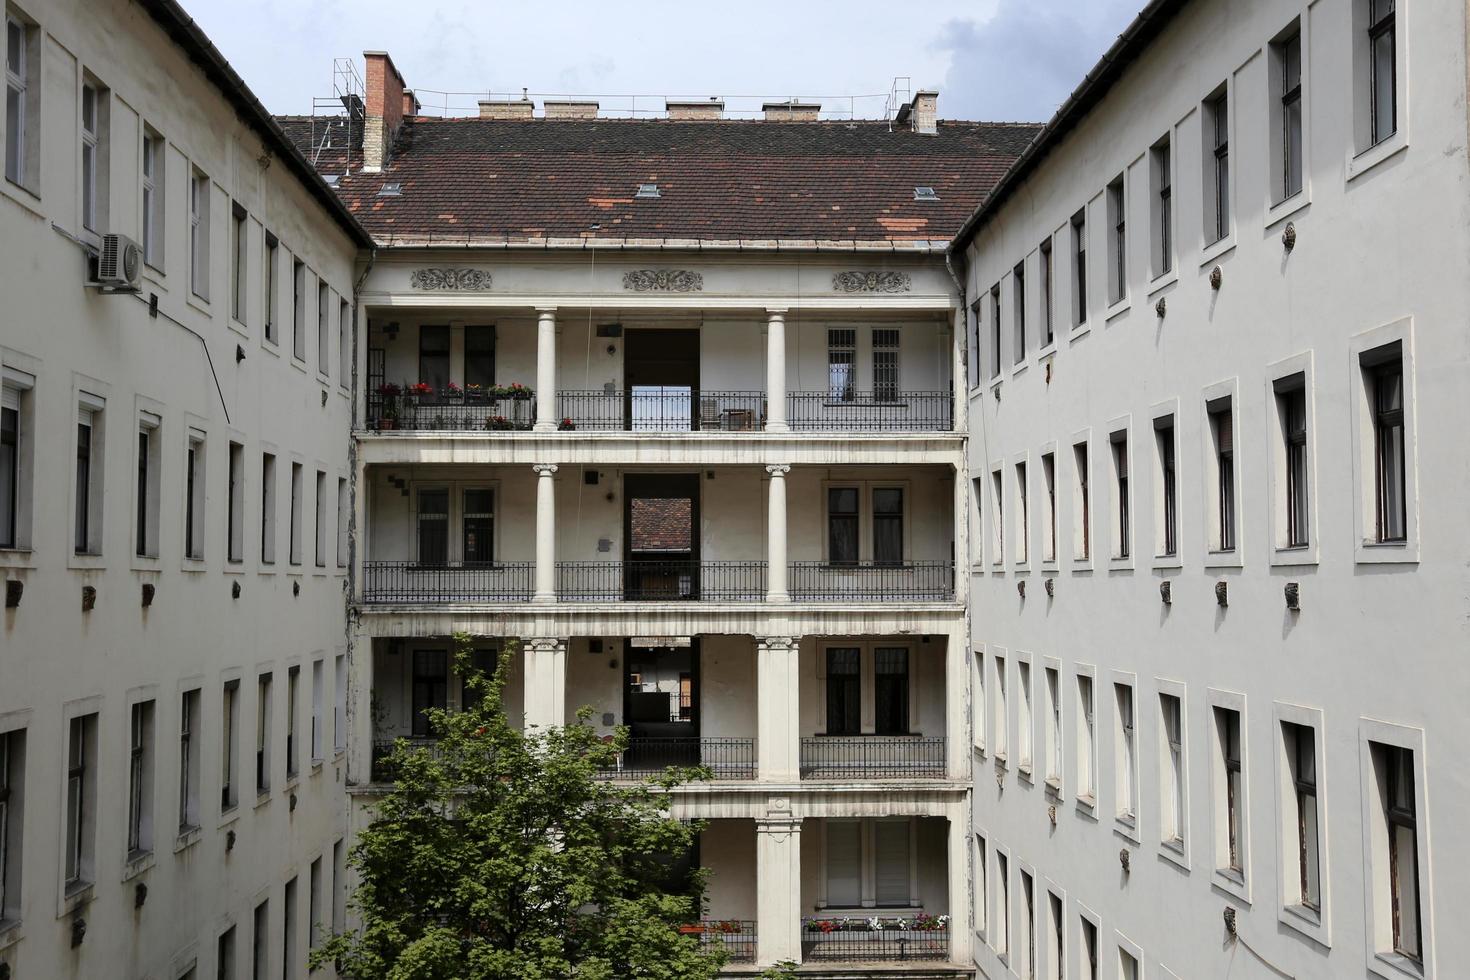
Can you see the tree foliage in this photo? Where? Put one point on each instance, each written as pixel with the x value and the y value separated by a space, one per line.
pixel 499 855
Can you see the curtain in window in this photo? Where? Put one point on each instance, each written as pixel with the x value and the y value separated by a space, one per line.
pixel 844 692
pixel 891 862
pixel 433 521
pixel 891 690
pixel 842 525
pixel 844 863
pixel 841 363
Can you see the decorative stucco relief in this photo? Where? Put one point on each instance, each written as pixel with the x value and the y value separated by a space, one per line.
pixel 473 280
pixel 872 282
pixel 663 280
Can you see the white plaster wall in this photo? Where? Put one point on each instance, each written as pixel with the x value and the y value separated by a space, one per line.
pixel 727 851
pixel 1379 641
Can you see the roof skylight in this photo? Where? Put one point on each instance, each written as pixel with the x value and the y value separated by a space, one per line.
pixel 393 189
pixel 648 190
pixel 925 194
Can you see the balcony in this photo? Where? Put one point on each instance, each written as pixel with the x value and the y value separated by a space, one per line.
pixel 725 758
pixel 652 580
pixel 883 411
pixel 448 582
pixel 862 937
pixel 915 581
pixel 450 411
pixel 735 936
pixel 662 409
pixel 383 749
pixel 860 757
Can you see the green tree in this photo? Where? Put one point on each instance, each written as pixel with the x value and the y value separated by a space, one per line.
pixel 499 855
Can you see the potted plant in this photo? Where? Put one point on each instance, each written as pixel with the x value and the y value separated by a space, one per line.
pixel 498 423
pixel 474 392
pixel 518 391
pixel 388 405
pixel 421 390
pixel 567 425
pixel 452 392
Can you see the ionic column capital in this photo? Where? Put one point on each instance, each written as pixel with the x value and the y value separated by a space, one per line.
pixel 547 644
pixel 767 644
pixel 778 469
pixel 544 469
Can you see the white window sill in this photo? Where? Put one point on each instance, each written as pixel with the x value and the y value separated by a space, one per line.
pixel 1360 163
pixel 1120 563
pixel 1126 827
pixel 1163 280
pixel 86 562
pixel 1308 922
pixel 194 565
pixel 10 933
pixel 1175 853
pixel 1281 210
pixel 188 837
pixel 23 196
pixel 1018 369
pixel 1295 556
pixel 1087 805
pixel 270 347
pixel 1234 882
pixel 73 897
pixel 228 818
pixel 1079 331
pixel 1223 559
pixel 1396 966
pixel 299 364
pixel 1047 349
pixel 1054 787
pixel 1386 553
pixel 156 276
pixel 234 566
pixel 1024 771
pixel 1168 561
pixel 16 558
pixel 1080 565
pixel 1117 309
pixel 136 864
pixel 1217 250
pixel 262 797
pixel 239 328
pixel 198 302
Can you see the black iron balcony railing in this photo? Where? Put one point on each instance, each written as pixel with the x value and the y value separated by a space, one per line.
pixel 660 581
pixel 736 936
pixel 407 581
pixel 862 938
pixel 382 765
pixel 856 757
pixel 867 581
pixel 725 758
pixel 451 413
pixel 662 409
pixel 865 411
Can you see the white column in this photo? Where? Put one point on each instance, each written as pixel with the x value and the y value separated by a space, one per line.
pixel 546 418
pixel 777 708
pixel 776 535
pixel 545 532
pixel 546 682
pixel 957 694
pixel 776 371
pixel 778 889
pixel 961 395
pixel 960 930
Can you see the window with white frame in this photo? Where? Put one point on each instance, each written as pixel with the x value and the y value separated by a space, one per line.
pixel 1088 931
pixel 194 471
pixel 12 822
pixel 1171 770
pixel 229 796
pixel 995 331
pixel 269 275
pixel 981 899
pixel 842 364
pixel 978 705
pixel 267 508
pixel 199 234
pixel 22 101
pixel 235 527
pixel 339 885
pixel 1018 312
pixel 297 490
pixel 1161 183
pixel 140 780
pixel 293 714
pixel 1117 241
pixel 1086 740
pixel 1001 741
pixel 1122 506
pixel 1383 387
pixel 317 668
pixel 15 461
pixel 1026 964
pixel 323 335
pixel 263 733
pixel 1286 113
pixel 239 252
pixel 260 942
pixel 224 954
pixel 319 554
pixel 1049 518
pixel 1394 815
pixel 288 930
pixel 1303 882
pixel 1053 743
pixel 977 515
pixel 974 354
pixel 344 505
pixel 79 844
pixel 1380 69
pixel 1079 268
pixel 94 143
pixel 1056 947
pixel 147 495
pixel 1293 501
pixel 298 309
pixel 339 703
pixel 1024 721
pixel 1125 754
pixel 1166 487
pixel 1044 261
pixel 877 850
pixel 1229 782
pixel 1023 516
pixel 1128 968
pixel 1221 485
pixel 885 343
pixel 189 752
pixel 344 344
pixel 1002 904
pixel 1081 503
pixel 155 197
pixel 88 492
pixel 1216 118
pixel 314 903
pixel 997 519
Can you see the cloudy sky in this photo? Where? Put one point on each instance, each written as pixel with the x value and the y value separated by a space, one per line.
pixel 990 59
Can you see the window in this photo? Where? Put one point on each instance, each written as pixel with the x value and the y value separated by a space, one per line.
pixel 1162 181
pixel 147 491
pixel 1228 783
pixel 981 898
pixel 263 734
pixel 1025 727
pixel 323 337
pixel 885 365
pixel 10 467
pixel 344 505
pixel 288 931
pixel 238 253
pixel 893 841
pixel 842 525
pixel 887 525
pixel 1122 532
pixel 995 331
pixel 298 309
pixel 1049 523
pixel 1003 904
pixel 1286 77
pixel 1086 741
pixel 344 344
pixel 1222 433
pixel 229 795
pixel 88 501
pixel 269 274
pixel 1383 71
pixel 433 526
pixel 1018 311
pixel 339 703
pixel 1079 268
pixel 293 711
pixel 1167 510
pixel 1053 744
pixel 843 845
pixel 339 886
pixel 188 760
pixel 1023 516
pixel 296 490
pixel 314 904
pixel 1081 504
pixel 1002 713
pixel 1384 374
pixel 1395 836
pixel 1291 408
pixel 1117 241
pixel 1128 966
pixel 316 711
pixel 267 508
pixel 434 356
pixel 430 687
pixel 225 955
pixel 841 364
pixel 320 553
pixel 1056 950
pixel 479 526
pixel 844 691
pixel 199 235
pixel 1089 950
pixel 1171 727
pixel 997 517
pixel 1217 167
pixel 1027 968
pixel 1048 333
pixel 155 197
pixel 1125 764
pixel 260 942
pixel 12 812
pixel 194 497
pixel 140 780
pixel 94 157
pixel 1299 743
pixel 235 531
pixel 974 353
pixel 81 801
pixel 22 98
pixel 978 721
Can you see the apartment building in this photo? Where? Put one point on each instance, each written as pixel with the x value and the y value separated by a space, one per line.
pixel 173 508
pixel 1217 344
pixel 671 401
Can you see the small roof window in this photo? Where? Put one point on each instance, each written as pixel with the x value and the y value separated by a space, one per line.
pixel 925 194
pixel 394 189
pixel 331 179
pixel 648 190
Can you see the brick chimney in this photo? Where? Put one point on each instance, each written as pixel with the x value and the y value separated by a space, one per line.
pixel 925 112
pixel 569 109
pixel 411 105
pixel 385 104
pixel 506 108
pixel 695 111
pixel 791 111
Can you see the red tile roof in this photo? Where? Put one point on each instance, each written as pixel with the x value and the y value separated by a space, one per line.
pixel 496 181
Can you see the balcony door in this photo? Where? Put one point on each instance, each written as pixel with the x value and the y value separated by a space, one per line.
pixel 661 705
pixel 661 536
pixel 661 379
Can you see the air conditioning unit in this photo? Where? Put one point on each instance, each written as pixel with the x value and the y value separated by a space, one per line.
pixel 119 264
